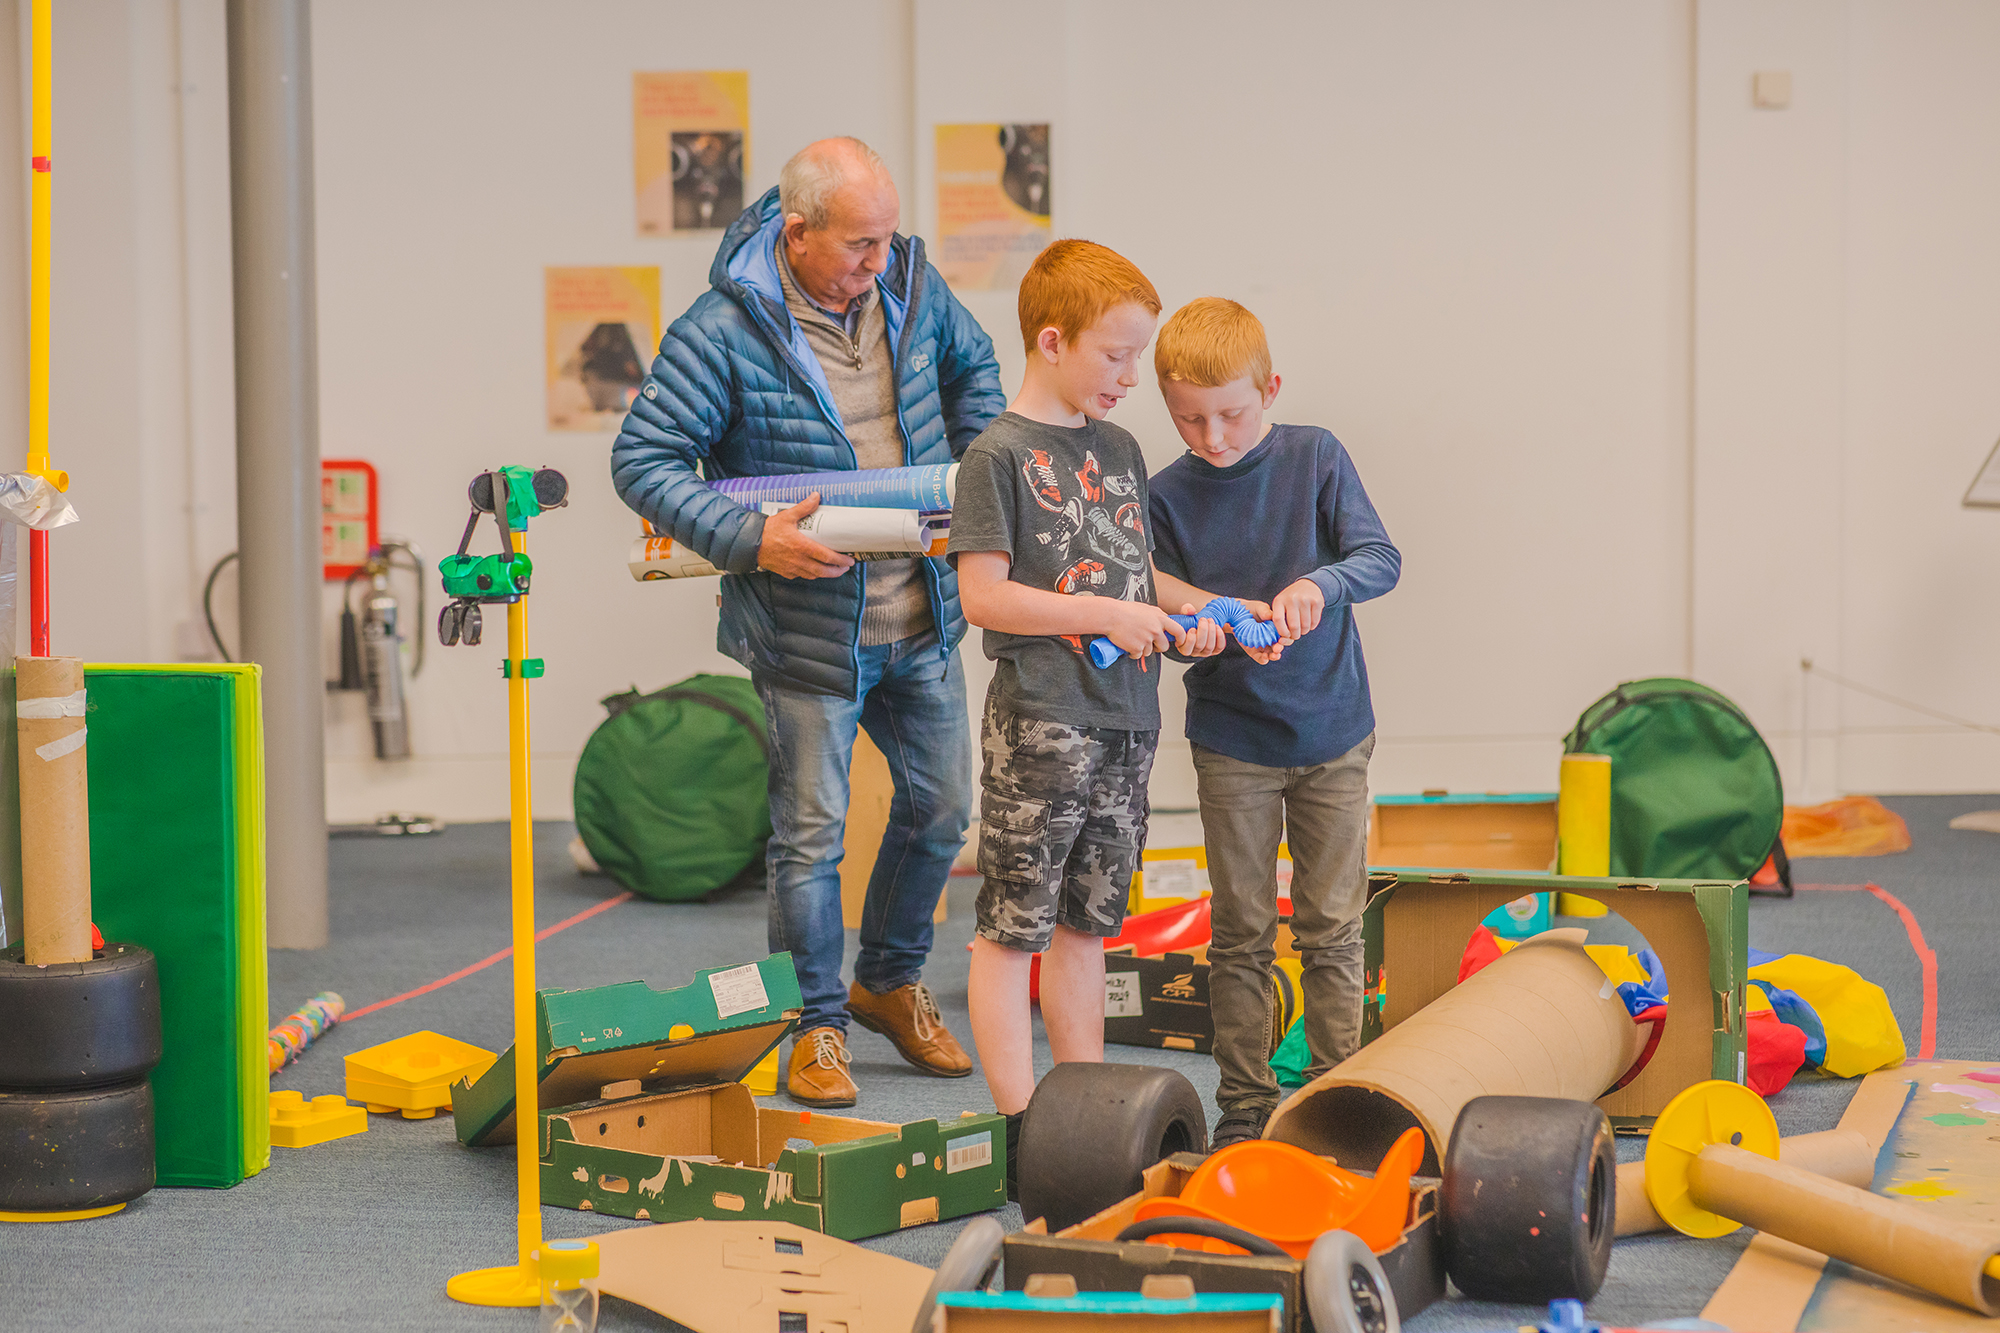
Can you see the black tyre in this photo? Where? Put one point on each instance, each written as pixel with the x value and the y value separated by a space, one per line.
pixel 62 1151
pixel 1091 1131
pixel 1346 1290
pixel 968 1266
pixel 1529 1199
pixel 79 1025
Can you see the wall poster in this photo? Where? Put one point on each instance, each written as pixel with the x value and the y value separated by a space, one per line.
pixel 602 326
pixel 691 148
pixel 992 203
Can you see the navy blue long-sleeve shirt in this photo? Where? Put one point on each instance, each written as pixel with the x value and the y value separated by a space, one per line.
pixel 1291 508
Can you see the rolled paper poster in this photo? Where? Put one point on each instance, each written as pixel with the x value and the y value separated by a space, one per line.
pixel 928 489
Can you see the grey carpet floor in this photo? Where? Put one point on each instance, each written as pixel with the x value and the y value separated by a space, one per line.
pixel 363 1232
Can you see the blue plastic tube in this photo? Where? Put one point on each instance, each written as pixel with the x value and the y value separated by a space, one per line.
pixel 1249 631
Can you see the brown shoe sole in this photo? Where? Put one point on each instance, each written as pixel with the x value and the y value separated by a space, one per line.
pixel 820 1103
pixel 915 1063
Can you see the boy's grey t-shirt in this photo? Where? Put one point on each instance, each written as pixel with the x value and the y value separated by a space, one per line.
pixel 1067 506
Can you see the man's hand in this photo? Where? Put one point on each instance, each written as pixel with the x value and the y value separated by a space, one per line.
pixel 790 554
pixel 1205 639
pixel 1263 656
pixel 1139 629
pixel 1296 611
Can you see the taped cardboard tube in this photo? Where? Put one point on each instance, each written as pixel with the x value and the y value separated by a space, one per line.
pixel 55 810
pixel 1541 1021
pixel 1886 1236
pixel 1838 1154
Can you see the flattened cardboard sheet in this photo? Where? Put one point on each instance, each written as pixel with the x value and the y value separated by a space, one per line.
pixel 752 1274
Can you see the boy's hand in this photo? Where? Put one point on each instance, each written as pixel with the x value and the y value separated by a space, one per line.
pixel 1263 656
pixel 1139 629
pixel 1296 611
pixel 790 554
pixel 1204 640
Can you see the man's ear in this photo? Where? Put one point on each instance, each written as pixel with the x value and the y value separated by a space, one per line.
pixel 795 231
pixel 1271 392
pixel 1048 342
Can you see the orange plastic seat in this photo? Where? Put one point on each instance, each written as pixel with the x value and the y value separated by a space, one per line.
pixel 1292 1198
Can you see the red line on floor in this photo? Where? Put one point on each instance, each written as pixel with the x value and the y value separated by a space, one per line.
pixel 507 952
pixel 1926 958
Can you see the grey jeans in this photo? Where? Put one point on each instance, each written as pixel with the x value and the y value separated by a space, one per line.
pixel 1322 812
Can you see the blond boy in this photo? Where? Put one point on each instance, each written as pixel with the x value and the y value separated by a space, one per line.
pixel 1275 515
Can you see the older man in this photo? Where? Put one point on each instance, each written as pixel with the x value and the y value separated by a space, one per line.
pixel 826 343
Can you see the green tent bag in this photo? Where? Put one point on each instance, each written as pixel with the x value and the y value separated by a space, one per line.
pixel 1695 793
pixel 670 789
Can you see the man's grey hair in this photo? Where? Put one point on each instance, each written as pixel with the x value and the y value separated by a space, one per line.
pixel 813 177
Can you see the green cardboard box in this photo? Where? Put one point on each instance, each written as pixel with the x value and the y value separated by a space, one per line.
pixel 642 1115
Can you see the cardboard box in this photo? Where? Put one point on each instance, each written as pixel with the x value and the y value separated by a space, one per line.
pixel 1087 1252
pixel 1157 1002
pixel 1416 925
pixel 869 791
pixel 643 1116
pixel 1464 831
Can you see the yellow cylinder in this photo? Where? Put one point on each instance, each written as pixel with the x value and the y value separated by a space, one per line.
pixel 1583 815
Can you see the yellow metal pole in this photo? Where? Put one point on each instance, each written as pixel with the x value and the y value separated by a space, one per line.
pixel 42 59
pixel 519 1284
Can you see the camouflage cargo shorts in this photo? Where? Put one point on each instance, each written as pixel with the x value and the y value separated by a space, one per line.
pixel 1062 821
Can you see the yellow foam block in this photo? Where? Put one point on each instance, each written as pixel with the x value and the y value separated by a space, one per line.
pixel 763 1080
pixel 298 1123
pixel 413 1074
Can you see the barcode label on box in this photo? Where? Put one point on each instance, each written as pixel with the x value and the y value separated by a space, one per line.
pixel 966 1153
pixel 1173 879
pixel 740 990
pixel 1121 995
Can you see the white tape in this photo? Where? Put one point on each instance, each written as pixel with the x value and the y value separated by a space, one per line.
pixel 41 710
pixel 69 744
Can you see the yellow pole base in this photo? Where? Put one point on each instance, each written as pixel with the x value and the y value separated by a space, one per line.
pixel 516 1285
pixel 76 1215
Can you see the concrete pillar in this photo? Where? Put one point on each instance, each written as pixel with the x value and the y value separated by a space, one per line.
pixel 277 442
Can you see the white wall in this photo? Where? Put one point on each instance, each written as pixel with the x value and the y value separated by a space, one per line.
pixel 1643 380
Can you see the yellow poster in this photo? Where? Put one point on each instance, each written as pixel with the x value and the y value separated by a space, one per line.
pixel 603 324
pixel 690 148
pixel 993 203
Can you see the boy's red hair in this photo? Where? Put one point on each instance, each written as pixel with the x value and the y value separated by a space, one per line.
pixel 1073 283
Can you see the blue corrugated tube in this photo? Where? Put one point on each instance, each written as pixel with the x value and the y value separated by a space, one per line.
pixel 1249 631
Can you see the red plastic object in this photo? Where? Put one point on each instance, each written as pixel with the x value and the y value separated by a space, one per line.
pixel 96 937
pixel 1777 1049
pixel 1292 1198
pixel 349 526
pixel 38 592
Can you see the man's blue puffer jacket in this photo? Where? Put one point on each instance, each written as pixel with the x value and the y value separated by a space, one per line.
pixel 737 391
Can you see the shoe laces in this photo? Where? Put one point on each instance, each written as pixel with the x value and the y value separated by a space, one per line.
pixel 928 1019
pixel 829 1052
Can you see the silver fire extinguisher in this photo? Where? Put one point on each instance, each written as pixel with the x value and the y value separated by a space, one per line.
pixel 371 657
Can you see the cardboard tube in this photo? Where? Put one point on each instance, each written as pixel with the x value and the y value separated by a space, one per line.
pixel 55 810
pixel 1886 1236
pixel 1541 1021
pixel 1837 1154
pixel 1583 815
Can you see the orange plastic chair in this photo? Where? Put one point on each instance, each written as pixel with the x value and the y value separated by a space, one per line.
pixel 1292 1198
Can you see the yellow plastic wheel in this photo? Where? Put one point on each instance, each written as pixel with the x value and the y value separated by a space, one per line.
pixel 1713 1112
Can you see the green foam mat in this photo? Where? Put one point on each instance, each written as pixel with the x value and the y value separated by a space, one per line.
pixel 177 865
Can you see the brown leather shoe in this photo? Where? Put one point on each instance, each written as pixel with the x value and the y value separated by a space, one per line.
pixel 910 1018
pixel 818 1073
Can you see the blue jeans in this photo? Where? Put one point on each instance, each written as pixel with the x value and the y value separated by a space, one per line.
pixel 918 720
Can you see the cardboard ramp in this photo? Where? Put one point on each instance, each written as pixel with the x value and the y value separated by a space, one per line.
pixel 753 1275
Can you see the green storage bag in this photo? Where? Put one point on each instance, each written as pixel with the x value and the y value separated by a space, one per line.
pixel 670 789
pixel 1695 793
